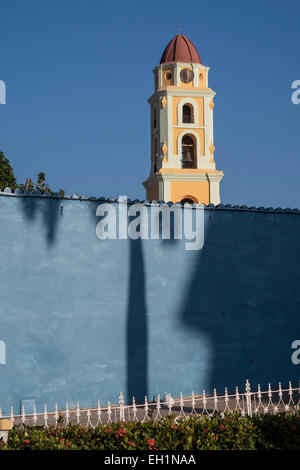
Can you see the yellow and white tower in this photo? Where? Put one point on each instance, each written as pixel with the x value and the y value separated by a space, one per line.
pixel 182 141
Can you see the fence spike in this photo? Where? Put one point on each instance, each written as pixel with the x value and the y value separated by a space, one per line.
pixel 226 397
pixel 56 414
pixel 134 409
pixel 23 417
pixel 67 414
pixel 121 407
pixel 193 400
pixel 34 414
pixel 280 391
pixel 259 392
pixel 88 414
pixel 109 412
pixel 45 416
pixel 99 413
pixel 181 414
pixel 169 401
pixel 77 413
pixel 237 399
pixel 248 398
pixel 146 408
pixel 269 391
pixel 158 407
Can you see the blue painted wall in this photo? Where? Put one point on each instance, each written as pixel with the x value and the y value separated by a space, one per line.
pixel 84 319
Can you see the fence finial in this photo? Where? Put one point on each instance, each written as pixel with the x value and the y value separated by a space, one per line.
pixel 121 407
pixel 109 412
pixel 248 398
pixel 77 413
pixel 45 416
pixel 99 413
pixel 134 409
pixel 56 414
pixel 67 413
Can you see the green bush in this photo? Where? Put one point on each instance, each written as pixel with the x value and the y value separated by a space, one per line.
pixel 231 432
pixel 7 178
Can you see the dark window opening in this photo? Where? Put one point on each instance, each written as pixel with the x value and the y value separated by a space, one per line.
pixel 155 164
pixel 186 200
pixel 188 152
pixel 154 118
pixel 155 156
pixel 187 114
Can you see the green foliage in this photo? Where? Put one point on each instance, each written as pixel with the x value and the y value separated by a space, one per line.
pixel 41 184
pixel 7 178
pixel 41 178
pixel 231 432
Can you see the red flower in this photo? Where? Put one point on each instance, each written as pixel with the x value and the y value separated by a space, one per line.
pixel 293 427
pixel 222 426
pixel 67 443
pixel 26 441
pixel 131 443
pixel 107 430
pixel 217 437
pixel 151 442
pixel 174 426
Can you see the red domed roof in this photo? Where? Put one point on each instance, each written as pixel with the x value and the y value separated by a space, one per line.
pixel 180 49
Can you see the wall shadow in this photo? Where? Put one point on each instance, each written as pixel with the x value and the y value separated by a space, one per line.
pixel 243 296
pixel 48 209
pixel 137 328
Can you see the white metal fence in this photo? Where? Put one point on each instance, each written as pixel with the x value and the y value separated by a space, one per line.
pixel 246 403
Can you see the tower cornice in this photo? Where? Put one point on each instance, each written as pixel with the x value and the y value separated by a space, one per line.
pixel 177 91
pixel 181 64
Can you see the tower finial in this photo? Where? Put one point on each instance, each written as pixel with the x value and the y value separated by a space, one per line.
pixel 179 28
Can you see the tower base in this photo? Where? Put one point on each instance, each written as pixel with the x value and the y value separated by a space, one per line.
pixel 200 186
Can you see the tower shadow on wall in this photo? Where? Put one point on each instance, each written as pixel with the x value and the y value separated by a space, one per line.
pixel 243 297
pixel 137 328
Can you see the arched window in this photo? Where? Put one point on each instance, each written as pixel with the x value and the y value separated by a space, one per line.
pixel 154 118
pixel 187 200
pixel 187 114
pixel 188 152
pixel 155 157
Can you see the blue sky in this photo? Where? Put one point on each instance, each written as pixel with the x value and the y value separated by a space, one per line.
pixel 79 73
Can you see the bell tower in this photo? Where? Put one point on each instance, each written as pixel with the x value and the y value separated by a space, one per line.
pixel 182 142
